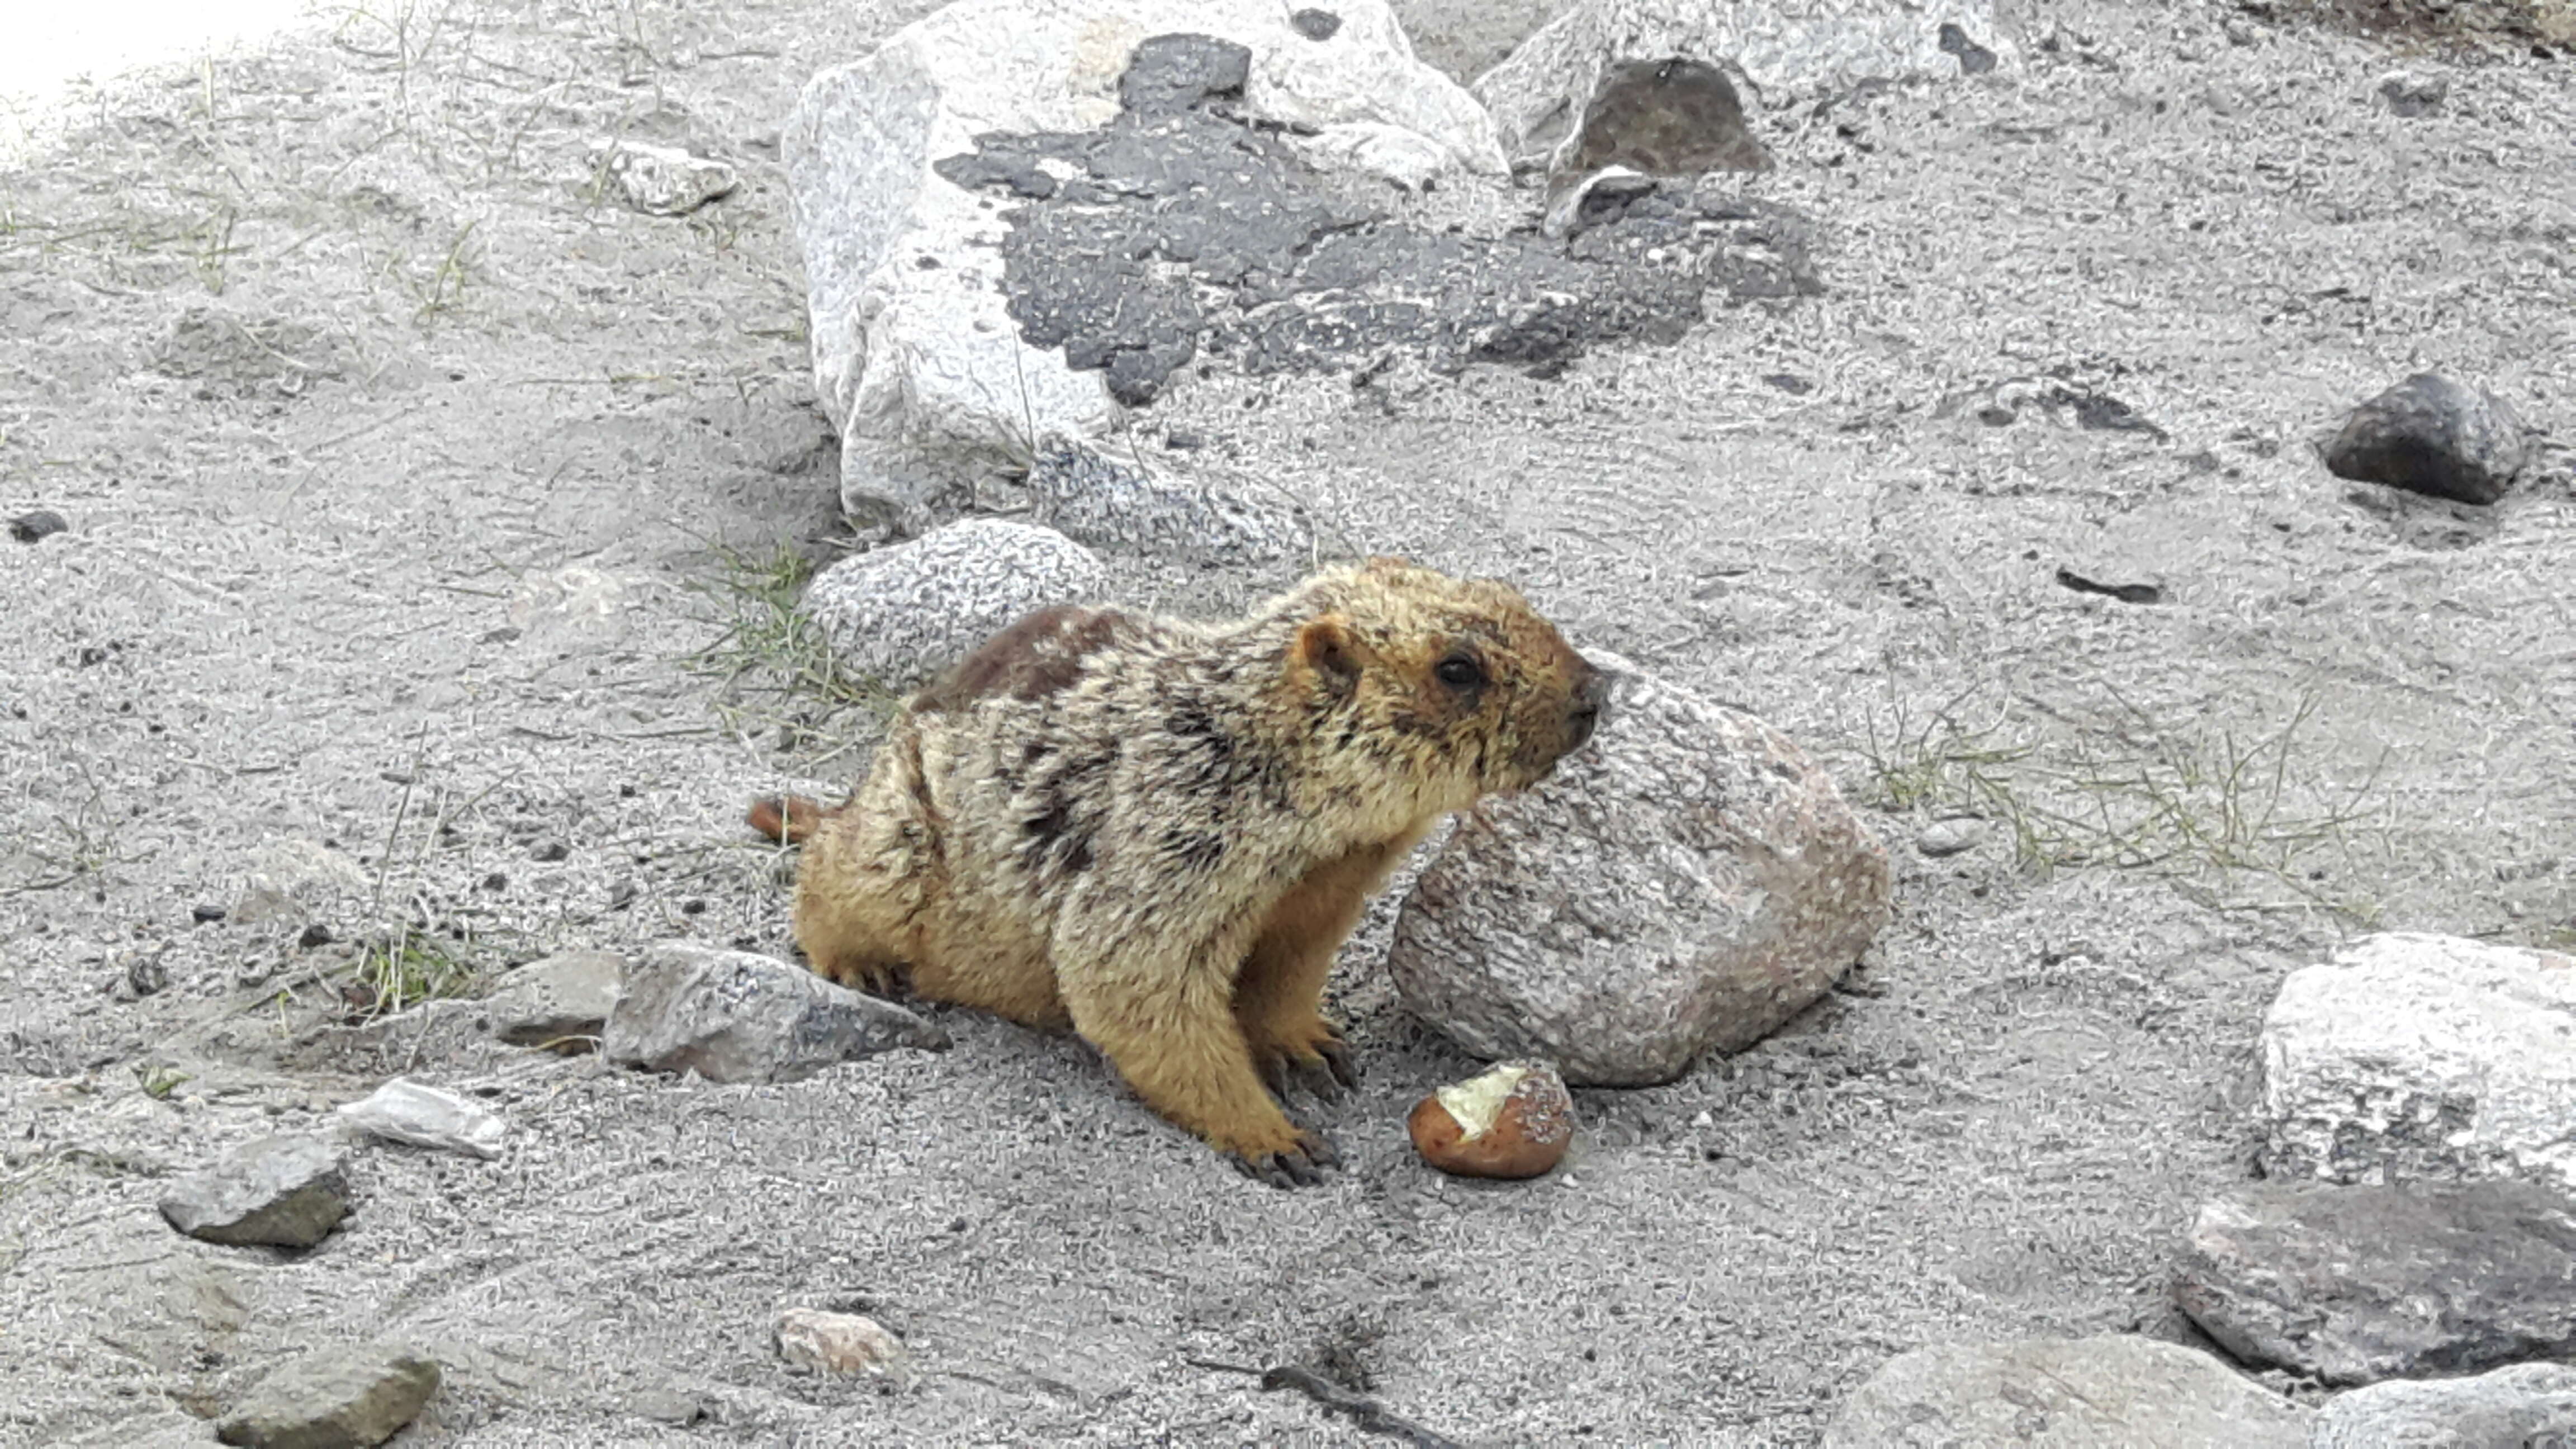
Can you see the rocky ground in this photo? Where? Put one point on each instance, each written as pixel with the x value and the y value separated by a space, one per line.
pixel 431 519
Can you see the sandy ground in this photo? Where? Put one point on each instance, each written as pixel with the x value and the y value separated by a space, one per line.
pixel 411 489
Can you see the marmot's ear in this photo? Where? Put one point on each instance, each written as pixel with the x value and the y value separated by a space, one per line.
pixel 1327 646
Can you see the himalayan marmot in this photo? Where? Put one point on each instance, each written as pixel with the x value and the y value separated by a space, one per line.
pixel 1159 832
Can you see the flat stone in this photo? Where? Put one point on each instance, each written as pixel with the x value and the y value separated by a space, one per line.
pixel 840 1343
pixel 336 1398
pixel 903 613
pixel 666 181
pixel 1685 883
pixel 561 1002
pixel 734 1016
pixel 37 526
pixel 286 1192
pixel 2423 1058
pixel 2434 436
pixel 1954 836
pixel 2113 1392
pixel 2528 1406
pixel 1111 505
pixel 2357 1284
pixel 408 1112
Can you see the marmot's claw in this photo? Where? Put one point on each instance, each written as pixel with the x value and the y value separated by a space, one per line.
pixel 1299 1166
pixel 1337 1060
pixel 1274 1075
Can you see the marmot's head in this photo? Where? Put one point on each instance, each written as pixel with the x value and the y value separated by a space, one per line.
pixel 1456 687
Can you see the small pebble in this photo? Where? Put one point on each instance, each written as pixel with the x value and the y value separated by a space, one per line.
pixel 37 526
pixel 1951 837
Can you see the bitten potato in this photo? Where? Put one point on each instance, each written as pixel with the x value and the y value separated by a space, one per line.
pixel 1513 1120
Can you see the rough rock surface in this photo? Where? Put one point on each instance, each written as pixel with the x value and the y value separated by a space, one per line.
pixel 2431 435
pixel 1785 52
pixel 2357 1284
pixel 1687 882
pixel 913 358
pixel 334 1398
pixel 2113 1392
pixel 735 1016
pixel 1664 117
pixel 1197 236
pixel 840 1343
pixel 665 180
pixel 405 1111
pixel 286 1191
pixel 1093 500
pixel 903 613
pixel 2420 1057
pixel 562 1001
pixel 2527 1406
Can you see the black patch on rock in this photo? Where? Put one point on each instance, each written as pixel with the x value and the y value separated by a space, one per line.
pixel 2430 435
pixel 1790 383
pixel 1673 117
pixel 1168 74
pixel 37 526
pixel 1974 59
pixel 2096 413
pixel 1316 24
pixel 1193 229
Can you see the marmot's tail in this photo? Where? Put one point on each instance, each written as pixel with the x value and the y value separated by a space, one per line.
pixel 787 819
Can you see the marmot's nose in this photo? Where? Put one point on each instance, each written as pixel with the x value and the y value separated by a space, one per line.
pixel 1591 701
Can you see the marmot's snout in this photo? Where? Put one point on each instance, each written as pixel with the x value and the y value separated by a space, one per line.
pixel 1591 702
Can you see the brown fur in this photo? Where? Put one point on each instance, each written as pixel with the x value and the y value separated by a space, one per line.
pixel 1159 833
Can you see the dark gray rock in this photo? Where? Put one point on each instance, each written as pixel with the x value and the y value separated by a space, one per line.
pixel 2528 1406
pixel 2357 1284
pixel 1685 883
pixel 2112 1392
pixel 337 1398
pixel 1316 24
pixel 2431 435
pixel 561 1002
pixel 733 1016
pixel 1974 59
pixel 286 1192
pixel 1168 74
pixel 1093 500
pixel 1668 117
pixel 37 526
pixel 2410 95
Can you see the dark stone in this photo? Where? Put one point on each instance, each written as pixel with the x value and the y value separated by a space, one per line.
pixel 1672 117
pixel 2125 593
pixel 206 915
pixel 1996 415
pixel 2353 1285
pixel 1790 383
pixel 1316 24
pixel 37 526
pixel 2096 413
pixel 286 1192
pixel 1974 59
pixel 1169 74
pixel 333 1399
pixel 2412 96
pixel 2430 435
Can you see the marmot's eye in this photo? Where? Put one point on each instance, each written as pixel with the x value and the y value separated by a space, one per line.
pixel 1459 672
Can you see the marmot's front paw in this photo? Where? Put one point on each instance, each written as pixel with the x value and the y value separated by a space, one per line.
pixel 1299 1166
pixel 1315 1058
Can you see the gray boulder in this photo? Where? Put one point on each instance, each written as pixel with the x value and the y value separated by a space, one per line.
pixel 1685 883
pixel 917 359
pixel 338 1398
pixel 903 613
pixel 287 1192
pixel 2113 1392
pixel 2423 1058
pixel 733 1016
pixel 561 1002
pixel 1774 52
pixel 2528 1406
pixel 2357 1284
pixel 2431 435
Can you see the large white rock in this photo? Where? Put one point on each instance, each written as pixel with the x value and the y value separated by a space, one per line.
pixel 2111 1392
pixel 2526 1404
pixel 2423 1058
pixel 903 613
pixel 1784 51
pixel 1685 883
pixel 915 357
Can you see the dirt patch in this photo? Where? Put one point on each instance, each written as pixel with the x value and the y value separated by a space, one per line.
pixel 431 509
